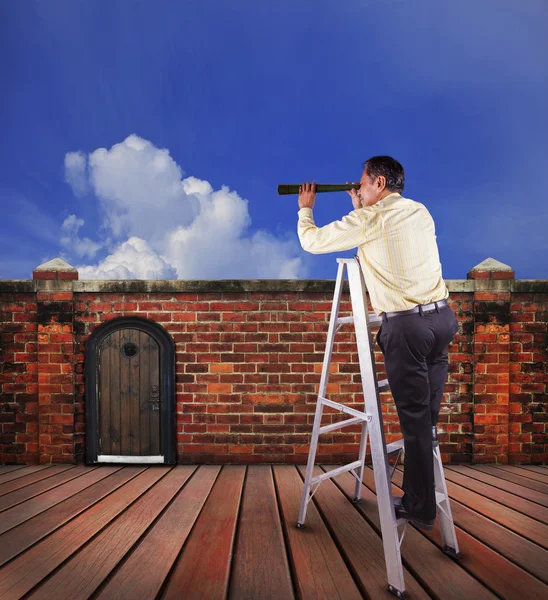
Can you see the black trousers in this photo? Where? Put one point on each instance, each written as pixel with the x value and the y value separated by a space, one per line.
pixel 415 356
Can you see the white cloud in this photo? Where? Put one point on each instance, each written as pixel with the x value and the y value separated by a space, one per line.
pixel 71 240
pixel 75 172
pixel 174 227
pixel 140 189
pixel 134 259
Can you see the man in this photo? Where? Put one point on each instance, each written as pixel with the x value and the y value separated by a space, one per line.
pixel 399 258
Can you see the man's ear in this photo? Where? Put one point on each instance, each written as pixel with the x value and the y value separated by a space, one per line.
pixel 381 182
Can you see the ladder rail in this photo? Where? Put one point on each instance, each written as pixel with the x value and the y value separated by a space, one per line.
pixel 443 507
pixel 377 442
pixel 323 387
pixel 331 331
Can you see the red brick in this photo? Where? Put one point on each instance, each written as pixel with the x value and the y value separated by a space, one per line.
pixel 219 388
pixel 100 307
pixel 67 275
pixel 61 296
pixel 479 275
pixel 124 306
pixel 241 449
pixel 44 275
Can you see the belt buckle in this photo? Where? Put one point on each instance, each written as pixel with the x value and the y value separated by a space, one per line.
pixel 431 310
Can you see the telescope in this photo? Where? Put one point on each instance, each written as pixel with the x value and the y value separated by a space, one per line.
pixel 291 188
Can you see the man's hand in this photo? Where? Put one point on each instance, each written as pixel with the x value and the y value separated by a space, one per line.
pixel 307 195
pixel 355 195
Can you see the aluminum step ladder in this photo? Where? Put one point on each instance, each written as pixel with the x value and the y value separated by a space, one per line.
pixel 372 427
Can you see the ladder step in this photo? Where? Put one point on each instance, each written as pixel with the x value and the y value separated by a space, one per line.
pixel 394 448
pixel 374 319
pixel 345 409
pixel 340 424
pixel 335 472
pixel 383 385
pixel 343 320
pixel 440 497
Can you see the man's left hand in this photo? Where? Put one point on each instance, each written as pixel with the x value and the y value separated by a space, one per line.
pixel 307 195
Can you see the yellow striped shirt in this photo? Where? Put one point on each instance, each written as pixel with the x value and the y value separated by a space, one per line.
pixel 397 248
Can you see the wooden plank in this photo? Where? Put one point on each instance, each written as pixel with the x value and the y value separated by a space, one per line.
pixel 319 570
pixel 541 489
pixel 134 397
pixel 23 482
pixel 115 393
pixel 359 543
pixel 144 394
pixel 527 473
pixel 22 473
pixel 5 469
pixel 142 575
pixel 81 575
pixel 154 415
pixel 203 569
pixel 103 402
pixel 53 511
pixel 260 568
pixel 125 393
pixel 30 491
pixel 439 574
pixel 485 499
pixel 512 493
pixel 25 571
pixel 20 513
pixel 506 579
pixel 536 468
pixel 511 545
pixel 502 576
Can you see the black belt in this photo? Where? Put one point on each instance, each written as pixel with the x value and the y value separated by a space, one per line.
pixel 421 308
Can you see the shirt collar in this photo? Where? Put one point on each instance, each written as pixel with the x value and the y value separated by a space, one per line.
pixel 387 200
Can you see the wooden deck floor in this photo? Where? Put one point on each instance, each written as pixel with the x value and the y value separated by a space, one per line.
pixel 214 532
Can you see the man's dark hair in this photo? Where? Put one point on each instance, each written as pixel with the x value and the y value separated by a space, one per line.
pixel 390 168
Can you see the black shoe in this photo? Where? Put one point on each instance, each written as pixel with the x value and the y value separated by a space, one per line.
pixel 401 513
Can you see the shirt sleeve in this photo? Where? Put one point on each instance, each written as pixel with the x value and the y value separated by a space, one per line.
pixel 336 237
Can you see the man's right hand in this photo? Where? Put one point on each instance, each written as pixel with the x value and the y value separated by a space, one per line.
pixel 355 195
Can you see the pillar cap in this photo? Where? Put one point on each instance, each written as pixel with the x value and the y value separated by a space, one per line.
pixel 491 269
pixel 55 269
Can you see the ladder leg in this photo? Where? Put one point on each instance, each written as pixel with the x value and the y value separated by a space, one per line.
pixel 443 507
pixel 383 484
pixel 322 389
pixel 363 447
pixel 306 497
pixel 389 525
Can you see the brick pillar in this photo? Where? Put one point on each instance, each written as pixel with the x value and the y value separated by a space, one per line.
pixel 491 345
pixel 56 386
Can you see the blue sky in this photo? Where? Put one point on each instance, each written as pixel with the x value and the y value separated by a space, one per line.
pixel 146 139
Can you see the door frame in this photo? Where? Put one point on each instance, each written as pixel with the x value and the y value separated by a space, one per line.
pixel 167 381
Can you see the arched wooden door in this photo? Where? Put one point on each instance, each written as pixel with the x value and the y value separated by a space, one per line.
pixel 129 401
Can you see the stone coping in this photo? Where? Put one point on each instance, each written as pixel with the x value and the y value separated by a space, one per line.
pixel 245 285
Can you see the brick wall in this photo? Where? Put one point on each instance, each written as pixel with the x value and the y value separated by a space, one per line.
pixel 248 363
pixel 528 378
pixel 18 373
